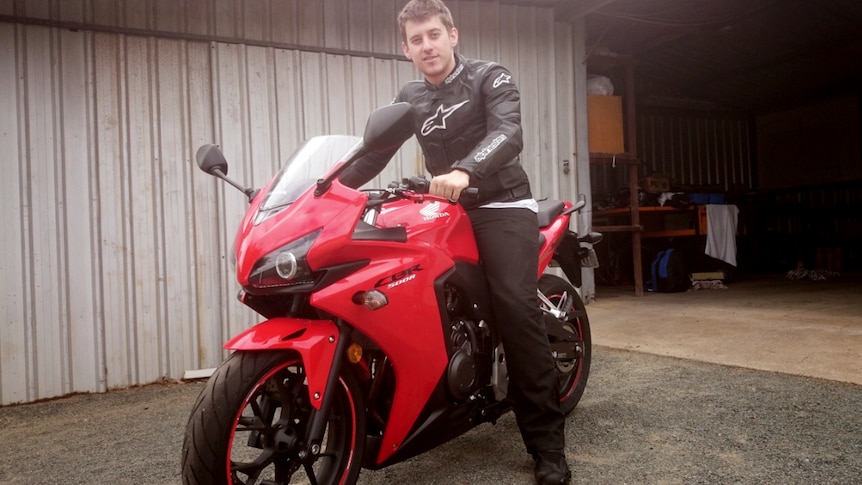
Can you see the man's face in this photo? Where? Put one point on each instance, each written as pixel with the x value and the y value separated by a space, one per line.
pixel 431 47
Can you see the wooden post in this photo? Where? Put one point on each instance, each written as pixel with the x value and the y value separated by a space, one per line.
pixel 632 142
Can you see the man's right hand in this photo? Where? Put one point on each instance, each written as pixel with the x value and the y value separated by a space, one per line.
pixel 450 185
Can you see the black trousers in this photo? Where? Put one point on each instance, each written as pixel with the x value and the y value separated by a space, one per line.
pixel 508 242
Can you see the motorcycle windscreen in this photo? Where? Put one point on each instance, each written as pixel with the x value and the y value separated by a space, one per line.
pixel 310 162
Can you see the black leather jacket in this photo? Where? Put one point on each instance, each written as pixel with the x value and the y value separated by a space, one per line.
pixel 470 122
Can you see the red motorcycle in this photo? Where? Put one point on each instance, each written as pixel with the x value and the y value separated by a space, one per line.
pixel 379 342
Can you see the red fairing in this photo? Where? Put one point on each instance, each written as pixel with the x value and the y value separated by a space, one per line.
pixel 406 274
pixel 315 340
pixel 440 224
pixel 439 232
pixel 552 236
pixel 333 211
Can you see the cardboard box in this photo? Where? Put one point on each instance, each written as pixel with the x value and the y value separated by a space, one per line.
pixel 707 276
pixel 656 184
pixel 605 124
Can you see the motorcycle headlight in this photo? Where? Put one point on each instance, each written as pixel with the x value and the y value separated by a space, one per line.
pixel 286 266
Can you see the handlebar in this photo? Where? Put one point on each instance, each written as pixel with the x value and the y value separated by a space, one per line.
pixel 420 185
pixel 412 188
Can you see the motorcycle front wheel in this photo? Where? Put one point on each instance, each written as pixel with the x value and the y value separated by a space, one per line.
pixel 572 374
pixel 249 423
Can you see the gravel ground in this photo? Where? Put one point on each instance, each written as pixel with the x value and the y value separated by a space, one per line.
pixel 643 419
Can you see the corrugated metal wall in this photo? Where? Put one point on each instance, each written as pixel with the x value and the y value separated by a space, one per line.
pixel 115 247
pixel 700 150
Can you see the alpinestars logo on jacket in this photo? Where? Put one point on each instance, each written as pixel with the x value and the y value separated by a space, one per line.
pixel 438 120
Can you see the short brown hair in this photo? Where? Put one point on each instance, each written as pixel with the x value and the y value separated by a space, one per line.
pixel 419 10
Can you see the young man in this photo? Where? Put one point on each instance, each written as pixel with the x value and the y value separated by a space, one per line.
pixel 469 128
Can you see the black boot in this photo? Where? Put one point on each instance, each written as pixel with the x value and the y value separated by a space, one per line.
pixel 551 468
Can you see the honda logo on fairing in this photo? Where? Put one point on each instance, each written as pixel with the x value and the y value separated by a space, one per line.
pixel 438 119
pixel 432 211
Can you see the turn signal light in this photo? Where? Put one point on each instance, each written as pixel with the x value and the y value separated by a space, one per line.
pixel 372 300
pixel 354 353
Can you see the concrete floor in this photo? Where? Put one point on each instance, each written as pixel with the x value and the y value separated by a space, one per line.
pixel 764 322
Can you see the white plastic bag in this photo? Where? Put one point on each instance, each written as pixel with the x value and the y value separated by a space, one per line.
pixel 600 85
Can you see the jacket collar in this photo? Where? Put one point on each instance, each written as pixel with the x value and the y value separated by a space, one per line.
pixel 459 69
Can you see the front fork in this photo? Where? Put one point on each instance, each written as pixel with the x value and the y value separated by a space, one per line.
pixel 313 340
pixel 319 416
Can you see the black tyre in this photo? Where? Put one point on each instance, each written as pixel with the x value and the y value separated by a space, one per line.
pixel 571 373
pixel 249 424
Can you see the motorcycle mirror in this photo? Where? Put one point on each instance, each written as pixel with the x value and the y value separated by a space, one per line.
pixel 211 160
pixel 389 126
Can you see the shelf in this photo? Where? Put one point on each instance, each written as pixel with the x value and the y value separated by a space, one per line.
pixel 671 233
pixel 641 209
pixel 652 223
pixel 617 228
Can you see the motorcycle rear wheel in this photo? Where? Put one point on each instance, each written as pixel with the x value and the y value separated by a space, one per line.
pixel 572 374
pixel 249 422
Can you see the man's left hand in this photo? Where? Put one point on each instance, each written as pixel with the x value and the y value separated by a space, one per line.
pixel 450 185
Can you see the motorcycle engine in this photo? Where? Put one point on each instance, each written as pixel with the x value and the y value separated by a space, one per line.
pixel 462 375
pixel 469 342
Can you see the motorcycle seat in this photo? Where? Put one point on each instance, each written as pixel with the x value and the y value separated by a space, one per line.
pixel 548 210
